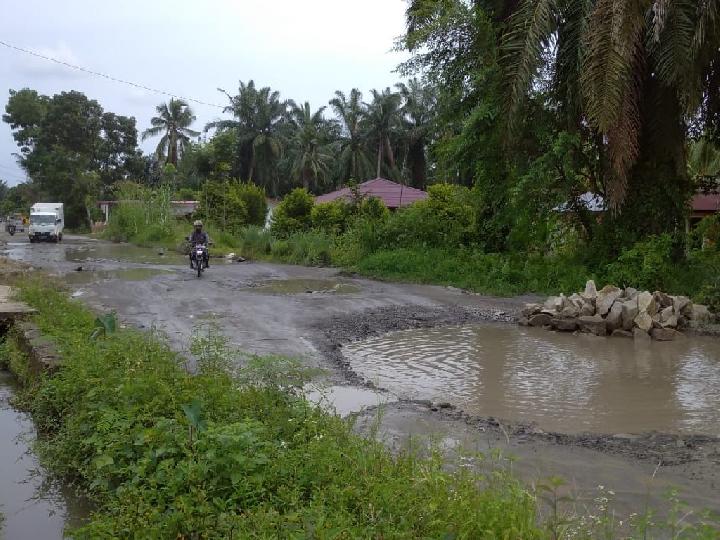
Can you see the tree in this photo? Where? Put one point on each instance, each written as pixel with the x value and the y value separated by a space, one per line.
pixel 383 121
pixel 353 161
pixel 308 145
pixel 258 118
pixel 418 112
pixel 173 121
pixel 70 147
pixel 634 71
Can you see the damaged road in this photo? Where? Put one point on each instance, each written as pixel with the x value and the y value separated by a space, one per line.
pixel 311 313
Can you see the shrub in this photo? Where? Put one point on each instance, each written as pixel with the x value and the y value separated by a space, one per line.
pixel 331 217
pixel 647 265
pixel 141 213
pixel 255 200
pixel 255 242
pixel 293 214
pixel 310 248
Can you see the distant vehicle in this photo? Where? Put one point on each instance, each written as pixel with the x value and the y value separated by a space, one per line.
pixel 16 222
pixel 47 221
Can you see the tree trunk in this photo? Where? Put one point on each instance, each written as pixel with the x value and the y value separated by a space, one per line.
pixel 659 188
pixel 379 159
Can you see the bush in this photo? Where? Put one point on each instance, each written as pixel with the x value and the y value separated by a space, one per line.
pixel 141 214
pixel 293 214
pixel 311 248
pixel 647 265
pixel 255 201
pixel 255 242
pixel 331 217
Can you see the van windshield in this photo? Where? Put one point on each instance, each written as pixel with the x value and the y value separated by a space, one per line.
pixel 41 219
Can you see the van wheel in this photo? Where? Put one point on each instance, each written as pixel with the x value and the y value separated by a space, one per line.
pixel 60 237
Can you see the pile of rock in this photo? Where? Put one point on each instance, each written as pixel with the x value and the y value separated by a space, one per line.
pixel 617 312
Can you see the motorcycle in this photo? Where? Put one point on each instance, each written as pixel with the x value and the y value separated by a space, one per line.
pixel 11 229
pixel 199 256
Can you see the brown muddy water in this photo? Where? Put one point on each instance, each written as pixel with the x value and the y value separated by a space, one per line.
pixel 564 383
pixel 34 507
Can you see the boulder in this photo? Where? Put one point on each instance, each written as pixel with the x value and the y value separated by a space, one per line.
pixel 564 324
pixel 590 292
pixel 630 293
pixel 665 334
pixel 523 321
pixel 640 334
pixel 629 312
pixel 614 317
pixel 680 303
pixel 570 312
pixel 644 321
pixel 606 298
pixel 670 322
pixel 666 313
pixel 622 334
pixel 687 310
pixel 531 309
pixel 662 300
pixel 539 320
pixel 646 303
pixel 700 314
pixel 587 309
pixel 576 300
pixel 553 304
pixel 594 324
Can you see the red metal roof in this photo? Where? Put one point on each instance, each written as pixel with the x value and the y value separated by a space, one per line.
pixel 394 195
pixel 706 203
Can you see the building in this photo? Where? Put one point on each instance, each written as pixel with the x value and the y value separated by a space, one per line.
pixel 394 195
pixel 704 205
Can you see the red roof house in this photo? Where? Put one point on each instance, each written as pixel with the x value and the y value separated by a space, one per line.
pixel 394 195
pixel 705 205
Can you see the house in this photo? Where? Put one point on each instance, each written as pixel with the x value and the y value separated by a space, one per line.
pixel 704 205
pixel 394 195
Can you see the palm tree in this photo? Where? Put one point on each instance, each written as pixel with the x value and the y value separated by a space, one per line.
pixel 704 164
pixel 259 116
pixel 310 161
pixel 632 70
pixel 351 112
pixel 418 111
pixel 173 121
pixel 383 120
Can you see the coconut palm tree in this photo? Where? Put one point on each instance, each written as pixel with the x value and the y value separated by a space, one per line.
pixel 173 122
pixel 351 112
pixel 308 145
pixel 417 111
pixel 258 118
pixel 632 70
pixel 704 164
pixel 383 122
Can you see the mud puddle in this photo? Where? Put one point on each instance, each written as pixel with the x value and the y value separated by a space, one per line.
pixel 564 383
pixel 304 286
pixel 129 253
pixel 126 274
pixel 33 507
pixel 345 400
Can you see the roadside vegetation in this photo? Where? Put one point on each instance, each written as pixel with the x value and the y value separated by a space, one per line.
pixel 233 452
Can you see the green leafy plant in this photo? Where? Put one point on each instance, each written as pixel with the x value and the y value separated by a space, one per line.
pixel 104 326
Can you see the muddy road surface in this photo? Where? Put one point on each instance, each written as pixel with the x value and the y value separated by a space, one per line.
pixel 340 323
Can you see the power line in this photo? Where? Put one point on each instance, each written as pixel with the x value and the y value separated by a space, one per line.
pixel 108 77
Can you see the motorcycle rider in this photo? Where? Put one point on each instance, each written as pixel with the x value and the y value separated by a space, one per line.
pixel 199 236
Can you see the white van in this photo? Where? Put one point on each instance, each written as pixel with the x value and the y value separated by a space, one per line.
pixel 46 222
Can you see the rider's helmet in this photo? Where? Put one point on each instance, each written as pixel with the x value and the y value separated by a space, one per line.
pixel 198 224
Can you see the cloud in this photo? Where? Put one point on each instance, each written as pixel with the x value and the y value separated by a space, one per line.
pixel 41 67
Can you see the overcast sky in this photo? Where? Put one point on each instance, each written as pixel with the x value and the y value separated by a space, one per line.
pixel 305 49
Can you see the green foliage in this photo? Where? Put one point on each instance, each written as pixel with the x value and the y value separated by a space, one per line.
pixel 331 217
pixel 142 214
pixel 258 462
pixel 255 242
pixel 311 248
pixel 647 265
pixel 232 205
pixel 293 214
pixel 104 326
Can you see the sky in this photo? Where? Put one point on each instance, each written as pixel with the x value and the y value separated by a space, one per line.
pixel 304 49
